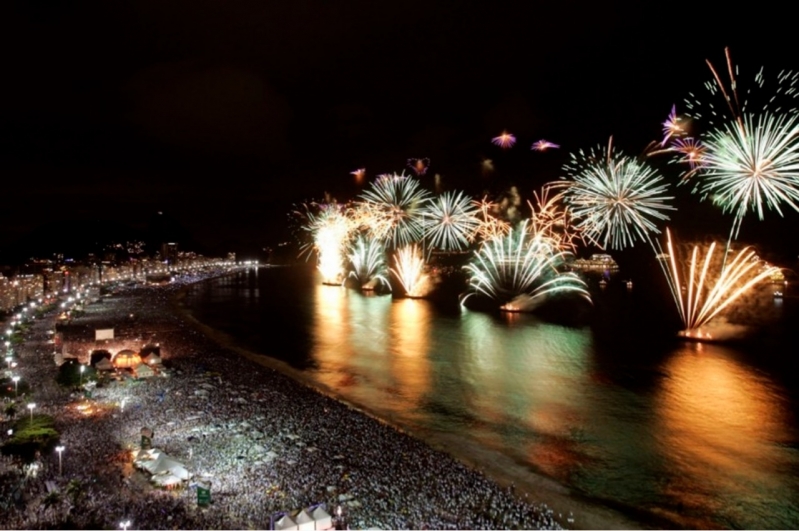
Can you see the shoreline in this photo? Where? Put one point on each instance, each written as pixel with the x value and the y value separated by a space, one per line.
pixel 571 510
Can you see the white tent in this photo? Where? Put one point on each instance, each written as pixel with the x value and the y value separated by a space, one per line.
pixel 322 519
pixel 104 365
pixel 165 464
pixel 143 457
pixel 144 371
pixel 285 523
pixel 153 359
pixel 304 521
pixel 165 480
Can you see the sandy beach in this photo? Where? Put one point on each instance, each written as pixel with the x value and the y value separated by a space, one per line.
pixel 269 440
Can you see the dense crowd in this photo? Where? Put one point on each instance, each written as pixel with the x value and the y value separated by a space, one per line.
pixel 266 443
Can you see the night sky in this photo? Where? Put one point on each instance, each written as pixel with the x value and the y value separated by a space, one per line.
pixel 223 114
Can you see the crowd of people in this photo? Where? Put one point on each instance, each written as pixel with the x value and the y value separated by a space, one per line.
pixel 265 443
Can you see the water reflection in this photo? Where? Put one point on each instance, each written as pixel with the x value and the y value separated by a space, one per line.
pixel 724 432
pixel 372 349
pixel 330 335
pixel 409 351
pixel 690 431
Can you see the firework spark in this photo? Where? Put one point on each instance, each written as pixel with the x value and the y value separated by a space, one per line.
pixel 692 150
pixel 505 140
pixel 752 164
pixel 775 94
pixel 359 174
pixel 543 145
pixel 391 209
pixel 552 218
pixel 419 166
pixel 614 198
pixel 450 221
pixel 369 263
pixel 519 271
pixel 703 288
pixel 672 126
pixel 490 224
pixel 331 229
pixel 411 272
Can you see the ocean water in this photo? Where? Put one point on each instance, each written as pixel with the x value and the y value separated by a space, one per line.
pixel 615 408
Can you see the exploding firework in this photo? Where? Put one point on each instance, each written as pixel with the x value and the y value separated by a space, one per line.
pixel 704 287
pixel 391 209
pixel 519 271
pixel 368 259
pixel 419 166
pixel 491 225
pixel 410 271
pixel 359 174
pixel 450 221
pixel 672 126
pixel 615 199
pixel 543 145
pixel 752 164
pixel 692 151
pixel 505 140
pixel 750 157
pixel 331 230
pixel 774 94
pixel 552 218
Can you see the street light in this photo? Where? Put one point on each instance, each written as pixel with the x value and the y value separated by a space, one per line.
pixel 82 368
pixel 124 525
pixel 15 379
pixel 8 361
pixel 31 406
pixel 59 449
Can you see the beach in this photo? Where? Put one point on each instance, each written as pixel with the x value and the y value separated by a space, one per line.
pixel 266 438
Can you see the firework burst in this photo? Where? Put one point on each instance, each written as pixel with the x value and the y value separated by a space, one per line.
pixel 672 126
pixel 490 224
pixel 692 151
pixel 519 271
pixel 774 94
pixel 391 209
pixel 411 271
pixel 450 221
pixel 367 257
pixel 749 159
pixel 615 199
pixel 703 287
pixel 543 145
pixel 552 218
pixel 331 229
pixel 419 166
pixel 752 164
pixel 505 140
pixel 359 174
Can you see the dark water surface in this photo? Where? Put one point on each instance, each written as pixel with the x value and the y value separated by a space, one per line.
pixel 705 434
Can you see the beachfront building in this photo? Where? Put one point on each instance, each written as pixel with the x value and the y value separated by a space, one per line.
pixel 19 290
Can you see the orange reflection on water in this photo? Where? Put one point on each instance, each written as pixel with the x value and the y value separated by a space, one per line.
pixel 331 332
pixel 372 350
pixel 721 425
pixel 410 348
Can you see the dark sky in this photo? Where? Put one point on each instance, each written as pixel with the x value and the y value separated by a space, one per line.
pixel 224 113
